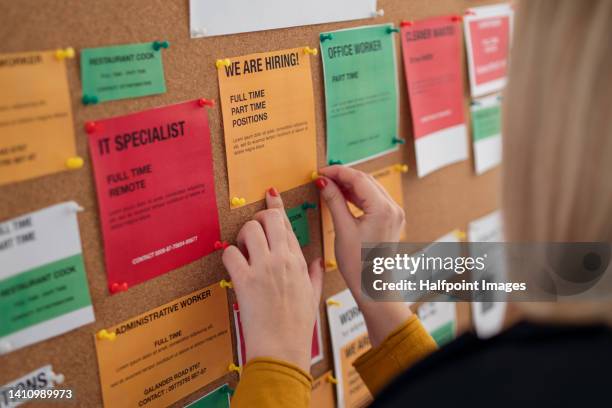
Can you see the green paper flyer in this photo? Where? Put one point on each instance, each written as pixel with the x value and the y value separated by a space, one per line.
pixel 122 71
pixel 361 93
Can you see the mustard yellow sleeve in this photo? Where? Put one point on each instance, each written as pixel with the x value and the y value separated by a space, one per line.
pixel 405 346
pixel 266 382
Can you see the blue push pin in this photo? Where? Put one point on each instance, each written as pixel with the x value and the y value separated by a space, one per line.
pixel 157 45
pixel 89 100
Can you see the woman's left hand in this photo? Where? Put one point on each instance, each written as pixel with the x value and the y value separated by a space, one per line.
pixel 277 292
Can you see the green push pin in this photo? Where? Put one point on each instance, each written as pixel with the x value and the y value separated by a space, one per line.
pixel 157 45
pixel 89 100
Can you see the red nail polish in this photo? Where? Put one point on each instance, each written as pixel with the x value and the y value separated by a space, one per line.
pixel 321 183
pixel 273 192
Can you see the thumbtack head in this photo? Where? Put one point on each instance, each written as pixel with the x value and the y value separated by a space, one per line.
pixel 406 24
pixel 378 13
pixel 456 19
pixel 206 102
pixel 74 163
pixel 402 168
pixel 157 45
pixel 391 30
pixel 325 37
pixel 308 206
pixel 460 235
pixel 233 368
pixel 223 63
pixel 397 140
pixel 331 379
pixel 226 284
pixel 331 264
pixel 58 378
pixel 220 245
pixel 333 302
pixel 238 201
pixel 333 162
pixel 314 175
pixel 89 100
pixel 118 287
pixel 310 51
pixel 90 127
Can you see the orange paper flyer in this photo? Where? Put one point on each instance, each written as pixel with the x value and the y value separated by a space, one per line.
pixel 167 353
pixel 391 179
pixel 269 122
pixel 35 116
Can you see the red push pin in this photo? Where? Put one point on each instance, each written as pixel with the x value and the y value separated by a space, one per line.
pixel 221 245
pixel 456 19
pixel 406 24
pixel 206 102
pixel 90 127
pixel 119 287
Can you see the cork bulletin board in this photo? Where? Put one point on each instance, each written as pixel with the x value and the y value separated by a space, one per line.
pixel 435 205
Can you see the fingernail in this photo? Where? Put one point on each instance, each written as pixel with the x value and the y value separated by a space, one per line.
pixel 273 192
pixel 322 263
pixel 321 183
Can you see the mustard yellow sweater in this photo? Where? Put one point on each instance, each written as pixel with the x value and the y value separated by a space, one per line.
pixel 270 383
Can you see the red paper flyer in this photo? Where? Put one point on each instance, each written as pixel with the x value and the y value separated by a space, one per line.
pixel 432 64
pixel 316 352
pixel 156 194
pixel 487 35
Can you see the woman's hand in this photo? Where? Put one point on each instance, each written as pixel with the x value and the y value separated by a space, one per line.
pixel 277 292
pixel 382 221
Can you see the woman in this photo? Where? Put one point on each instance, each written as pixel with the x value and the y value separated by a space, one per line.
pixel 557 162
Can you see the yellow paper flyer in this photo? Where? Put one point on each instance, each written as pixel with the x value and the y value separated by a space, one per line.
pixel 35 116
pixel 166 353
pixel 269 122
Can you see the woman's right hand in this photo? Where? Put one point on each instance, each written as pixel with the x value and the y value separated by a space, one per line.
pixel 382 221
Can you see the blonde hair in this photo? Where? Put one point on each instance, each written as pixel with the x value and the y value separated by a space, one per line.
pixel 557 173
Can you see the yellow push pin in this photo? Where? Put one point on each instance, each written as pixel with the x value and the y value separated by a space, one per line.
pixel 310 51
pixel 402 168
pixel 62 54
pixel 105 335
pixel 223 63
pixel 314 175
pixel 233 368
pixel 460 235
pixel 74 163
pixel 333 302
pixel 226 284
pixel 331 264
pixel 331 379
pixel 238 201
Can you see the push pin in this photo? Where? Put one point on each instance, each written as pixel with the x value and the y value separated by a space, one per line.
pixel 221 245
pixel 206 102
pixel 460 235
pixel 402 168
pixel 89 100
pixel 332 162
pixel 62 54
pixel 158 45
pixel 75 208
pixel 325 37
pixel 57 378
pixel 238 201
pixel 456 19
pixel 223 63
pixel 331 379
pixel 397 140
pixel 226 284
pixel 391 30
pixel 74 163
pixel 309 206
pixel 310 51
pixel 106 335
pixel 406 24
pixel 118 287
pixel 314 175
pixel 331 264
pixel 333 302
pixel 233 368
pixel 378 13
pixel 90 127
